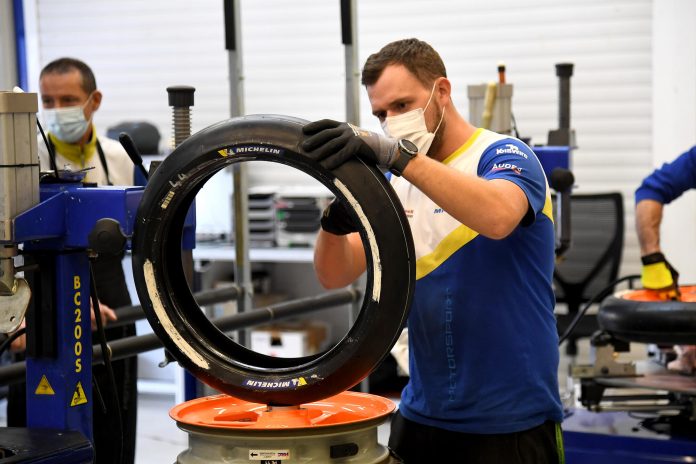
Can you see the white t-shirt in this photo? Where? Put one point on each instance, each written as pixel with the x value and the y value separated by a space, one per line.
pixel 121 168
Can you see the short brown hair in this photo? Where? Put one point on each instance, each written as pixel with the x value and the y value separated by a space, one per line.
pixel 415 55
pixel 66 65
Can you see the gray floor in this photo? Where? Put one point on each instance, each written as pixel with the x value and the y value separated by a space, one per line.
pixel 159 439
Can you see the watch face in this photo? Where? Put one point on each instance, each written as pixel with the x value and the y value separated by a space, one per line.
pixel 409 146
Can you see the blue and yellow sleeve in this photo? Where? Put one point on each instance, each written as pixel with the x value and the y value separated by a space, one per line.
pixel 512 160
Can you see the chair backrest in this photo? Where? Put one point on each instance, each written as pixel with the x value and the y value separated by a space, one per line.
pixel 593 259
pixel 145 135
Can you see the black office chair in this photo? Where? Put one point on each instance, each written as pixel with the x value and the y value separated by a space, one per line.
pixel 146 138
pixel 592 261
pixel 145 135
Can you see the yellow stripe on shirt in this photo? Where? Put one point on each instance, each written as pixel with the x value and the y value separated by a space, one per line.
pixel 464 147
pixel 548 207
pixel 454 241
pixel 446 248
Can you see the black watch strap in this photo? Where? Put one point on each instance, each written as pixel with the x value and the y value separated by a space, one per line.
pixel 407 151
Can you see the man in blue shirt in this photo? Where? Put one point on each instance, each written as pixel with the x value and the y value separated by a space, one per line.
pixel 483 346
pixel 661 187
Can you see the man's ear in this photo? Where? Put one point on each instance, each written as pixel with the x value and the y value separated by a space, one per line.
pixel 443 90
pixel 96 100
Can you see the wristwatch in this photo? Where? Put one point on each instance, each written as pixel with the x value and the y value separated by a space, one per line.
pixel 407 150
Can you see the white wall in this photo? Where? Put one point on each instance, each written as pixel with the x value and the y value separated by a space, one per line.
pixel 293 64
pixel 674 121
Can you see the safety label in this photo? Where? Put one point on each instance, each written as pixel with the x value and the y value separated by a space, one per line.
pixel 78 396
pixel 44 387
pixel 269 455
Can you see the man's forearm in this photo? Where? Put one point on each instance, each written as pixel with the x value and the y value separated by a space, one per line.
pixel 648 220
pixel 492 208
pixel 338 259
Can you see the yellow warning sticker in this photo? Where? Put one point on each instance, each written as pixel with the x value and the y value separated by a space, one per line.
pixel 44 387
pixel 79 396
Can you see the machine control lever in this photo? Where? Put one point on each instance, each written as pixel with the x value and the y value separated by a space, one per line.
pixel 562 180
pixel 133 153
pixel 107 237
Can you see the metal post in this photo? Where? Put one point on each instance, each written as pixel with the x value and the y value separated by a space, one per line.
pixel 564 135
pixel 349 38
pixel 8 45
pixel 564 71
pixel 233 41
pixel 181 101
pixel 19 179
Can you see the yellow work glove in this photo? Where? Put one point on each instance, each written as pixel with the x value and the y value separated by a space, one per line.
pixel 659 275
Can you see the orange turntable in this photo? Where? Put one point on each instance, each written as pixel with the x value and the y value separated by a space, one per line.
pixel 342 428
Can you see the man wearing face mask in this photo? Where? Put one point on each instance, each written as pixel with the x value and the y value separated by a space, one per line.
pixel 70 98
pixel 483 345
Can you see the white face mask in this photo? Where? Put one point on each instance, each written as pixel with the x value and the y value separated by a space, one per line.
pixel 67 124
pixel 411 126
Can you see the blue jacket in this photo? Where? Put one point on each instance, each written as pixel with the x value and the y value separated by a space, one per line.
pixel 671 180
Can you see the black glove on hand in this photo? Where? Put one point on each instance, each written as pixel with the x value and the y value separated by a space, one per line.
pixel 332 143
pixel 337 220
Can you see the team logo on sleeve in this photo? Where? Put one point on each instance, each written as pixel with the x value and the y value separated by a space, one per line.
pixel 511 149
pixel 506 167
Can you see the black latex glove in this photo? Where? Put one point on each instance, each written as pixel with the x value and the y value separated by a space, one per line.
pixel 337 220
pixel 332 143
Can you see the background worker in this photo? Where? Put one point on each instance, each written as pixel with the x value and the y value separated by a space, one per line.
pixel 482 335
pixel 70 97
pixel 661 187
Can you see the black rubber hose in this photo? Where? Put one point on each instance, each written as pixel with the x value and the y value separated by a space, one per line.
pixel 8 341
pixel 206 351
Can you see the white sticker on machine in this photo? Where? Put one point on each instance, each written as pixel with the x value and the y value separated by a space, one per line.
pixel 264 455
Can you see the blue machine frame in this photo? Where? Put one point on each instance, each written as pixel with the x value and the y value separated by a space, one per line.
pixel 59 393
pixel 552 157
pixel 617 438
pixel 59 384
